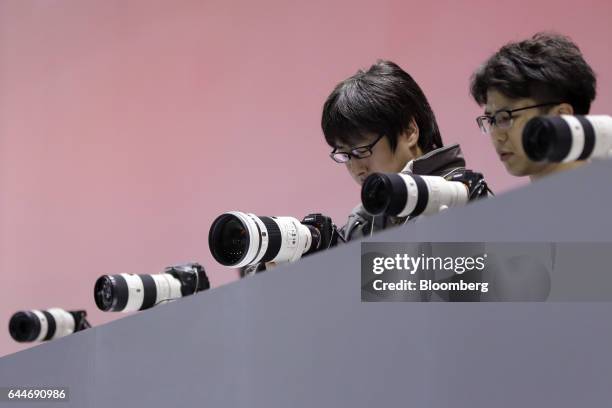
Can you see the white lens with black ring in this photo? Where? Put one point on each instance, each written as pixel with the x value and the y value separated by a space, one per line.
pixel 43 318
pixel 262 224
pixel 125 292
pixel 295 239
pixel 135 292
pixel 238 239
pixel 167 288
pixel 130 292
pixel 41 325
pixel 568 138
pixel 602 130
pixel 577 138
pixel 387 194
pixel 407 194
pixel 235 238
pixel 63 321
pixel 441 194
pixel 254 235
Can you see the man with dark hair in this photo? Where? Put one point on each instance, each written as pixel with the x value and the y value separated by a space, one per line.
pixel 379 120
pixel 544 75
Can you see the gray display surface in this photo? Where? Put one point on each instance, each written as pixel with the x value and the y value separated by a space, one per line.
pixel 299 336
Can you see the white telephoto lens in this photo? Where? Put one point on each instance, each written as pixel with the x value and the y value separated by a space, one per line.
pixel 253 227
pixel 262 238
pixel 568 138
pixel 602 127
pixel 238 239
pixel 440 193
pixel 44 325
pixel 295 239
pixel 135 292
pixel 167 287
pixel 64 322
pixel 578 138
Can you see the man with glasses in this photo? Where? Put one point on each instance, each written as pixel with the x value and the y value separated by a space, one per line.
pixel 379 120
pixel 544 75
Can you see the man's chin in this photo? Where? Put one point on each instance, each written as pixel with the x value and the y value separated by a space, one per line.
pixel 516 171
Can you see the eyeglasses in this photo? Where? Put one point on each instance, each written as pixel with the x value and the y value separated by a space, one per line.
pixel 359 152
pixel 503 119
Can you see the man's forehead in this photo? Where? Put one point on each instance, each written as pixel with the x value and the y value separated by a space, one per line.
pixel 496 101
pixel 354 140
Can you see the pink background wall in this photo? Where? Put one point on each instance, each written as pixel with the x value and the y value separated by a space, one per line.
pixel 126 127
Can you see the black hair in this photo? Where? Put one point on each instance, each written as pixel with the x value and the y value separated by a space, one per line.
pixel 382 100
pixel 547 67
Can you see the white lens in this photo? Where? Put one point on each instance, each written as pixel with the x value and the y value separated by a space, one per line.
pixel 135 292
pixel 444 193
pixel 295 239
pixel 167 287
pixel 254 236
pixel 441 193
pixel 602 127
pixel 44 325
pixel 577 145
pixel 64 322
pixel 238 239
pixel 263 238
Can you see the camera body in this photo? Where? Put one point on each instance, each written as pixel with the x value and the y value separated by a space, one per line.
pixel 474 181
pixel 326 229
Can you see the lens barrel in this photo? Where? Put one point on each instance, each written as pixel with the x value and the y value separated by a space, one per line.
pixel 43 325
pixel 567 138
pixel 237 239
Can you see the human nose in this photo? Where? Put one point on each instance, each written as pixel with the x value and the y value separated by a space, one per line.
pixel 356 164
pixel 497 134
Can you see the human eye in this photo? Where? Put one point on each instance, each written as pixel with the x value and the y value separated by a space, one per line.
pixel 361 151
pixel 503 118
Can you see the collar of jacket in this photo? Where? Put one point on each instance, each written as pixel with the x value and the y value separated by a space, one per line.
pixel 437 162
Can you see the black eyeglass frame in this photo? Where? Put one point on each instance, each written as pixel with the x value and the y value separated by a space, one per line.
pixel 491 118
pixel 366 151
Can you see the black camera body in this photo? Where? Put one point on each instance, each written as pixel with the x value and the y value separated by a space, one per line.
pixel 475 182
pixel 322 226
pixel 192 277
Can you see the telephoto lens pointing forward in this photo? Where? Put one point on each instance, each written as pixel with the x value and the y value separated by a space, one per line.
pixel 410 195
pixel 568 138
pixel 42 325
pixel 238 239
pixel 128 292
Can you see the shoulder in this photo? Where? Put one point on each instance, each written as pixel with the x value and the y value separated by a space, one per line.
pixel 357 220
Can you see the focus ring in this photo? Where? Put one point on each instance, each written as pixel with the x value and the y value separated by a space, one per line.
pixel 274 239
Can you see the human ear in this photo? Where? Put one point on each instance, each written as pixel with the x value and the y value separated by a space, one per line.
pixel 562 109
pixel 412 134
